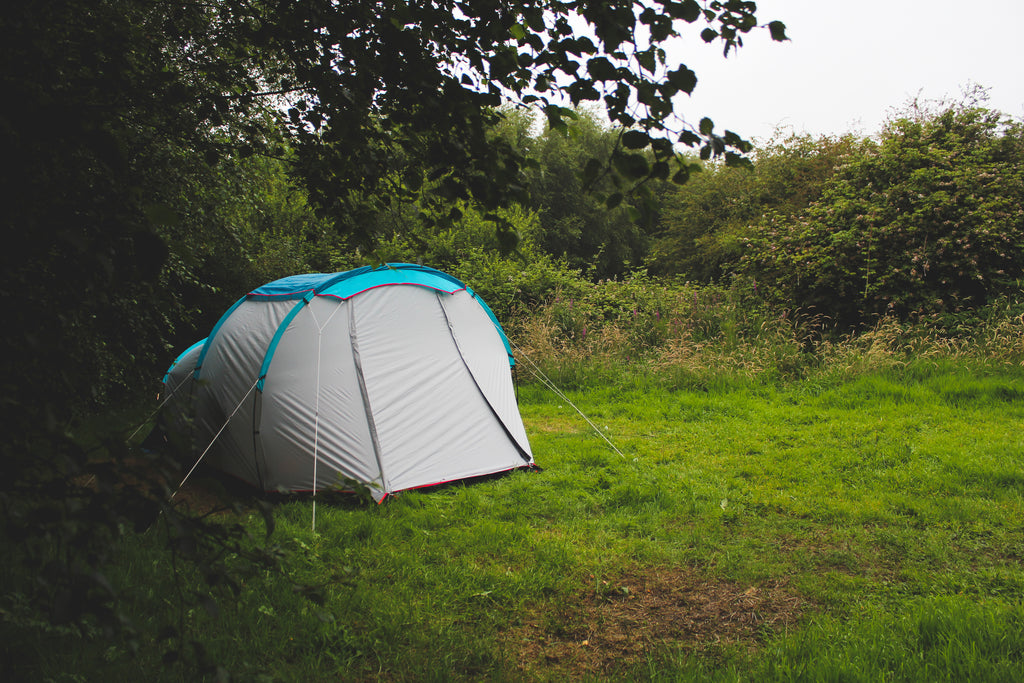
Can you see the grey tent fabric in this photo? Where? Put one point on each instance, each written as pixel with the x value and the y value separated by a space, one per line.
pixel 396 377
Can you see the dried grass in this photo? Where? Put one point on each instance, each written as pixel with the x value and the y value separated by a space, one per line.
pixel 695 338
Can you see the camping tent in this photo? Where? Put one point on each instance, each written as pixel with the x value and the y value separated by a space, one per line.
pixel 396 377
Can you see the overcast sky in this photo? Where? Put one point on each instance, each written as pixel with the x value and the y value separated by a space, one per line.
pixel 849 64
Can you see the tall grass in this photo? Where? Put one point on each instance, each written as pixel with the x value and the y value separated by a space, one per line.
pixel 689 335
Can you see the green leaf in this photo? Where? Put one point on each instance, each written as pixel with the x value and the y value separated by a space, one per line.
pixel 689 138
pixel 778 31
pixel 683 79
pixel 735 160
pixel 535 19
pixel 517 31
pixel 602 70
pixel 267 511
pixel 554 114
pixel 706 126
pixel 632 166
pixel 734 140
pixel 591 171
pixel 708 35
pixel 647 60
pixel 508 240
pixel 613 201
pixel 635 139
pixel 662 147
pixel 660 170
pixel 687 10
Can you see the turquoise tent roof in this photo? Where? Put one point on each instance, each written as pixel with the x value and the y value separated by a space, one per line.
pixel 349 283
pixel 352 282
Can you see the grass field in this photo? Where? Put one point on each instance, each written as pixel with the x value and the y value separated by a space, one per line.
pixel 865 528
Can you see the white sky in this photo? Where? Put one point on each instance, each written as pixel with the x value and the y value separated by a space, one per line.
pixel 850 63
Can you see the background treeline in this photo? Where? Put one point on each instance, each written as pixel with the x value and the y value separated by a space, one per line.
pixel 922 221
pixel 919 226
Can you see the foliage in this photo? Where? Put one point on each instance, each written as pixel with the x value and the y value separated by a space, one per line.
pixel 926 222
pixel 576 221
pixel 510 284
pixel 234 227
pixel 706 223
pixel 689 335
pixel 395 101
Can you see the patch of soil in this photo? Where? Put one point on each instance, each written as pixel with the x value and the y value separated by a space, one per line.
pixel 614 627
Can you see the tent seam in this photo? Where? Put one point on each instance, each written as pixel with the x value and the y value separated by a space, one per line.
pixel 455 340
pixel 367 408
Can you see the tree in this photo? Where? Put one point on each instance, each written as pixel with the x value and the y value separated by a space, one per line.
pixel 575 223
pixel 399 91
pixel 383 102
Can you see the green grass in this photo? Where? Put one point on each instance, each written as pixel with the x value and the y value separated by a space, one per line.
pixel 862 528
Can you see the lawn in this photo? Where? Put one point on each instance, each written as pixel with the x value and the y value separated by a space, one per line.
pixel 863 528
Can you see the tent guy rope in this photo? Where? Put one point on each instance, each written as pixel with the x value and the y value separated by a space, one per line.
pixel 539 374
pixel 214 439
pixel 153 414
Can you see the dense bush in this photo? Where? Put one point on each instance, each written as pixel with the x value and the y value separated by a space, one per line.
pixel 929 220
pixel 706 223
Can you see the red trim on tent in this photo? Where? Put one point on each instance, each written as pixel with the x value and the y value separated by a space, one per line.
pixel 456 479
pixel 531 466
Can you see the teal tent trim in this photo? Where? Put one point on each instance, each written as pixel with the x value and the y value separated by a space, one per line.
pixel 344 286
pixel 213 333
pixel 272 347
pixel 349 283
pixel 180 356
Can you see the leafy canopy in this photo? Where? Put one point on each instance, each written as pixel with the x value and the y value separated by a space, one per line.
pixel 394 99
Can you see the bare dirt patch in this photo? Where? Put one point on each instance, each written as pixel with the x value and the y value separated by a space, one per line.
pixel 613 627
